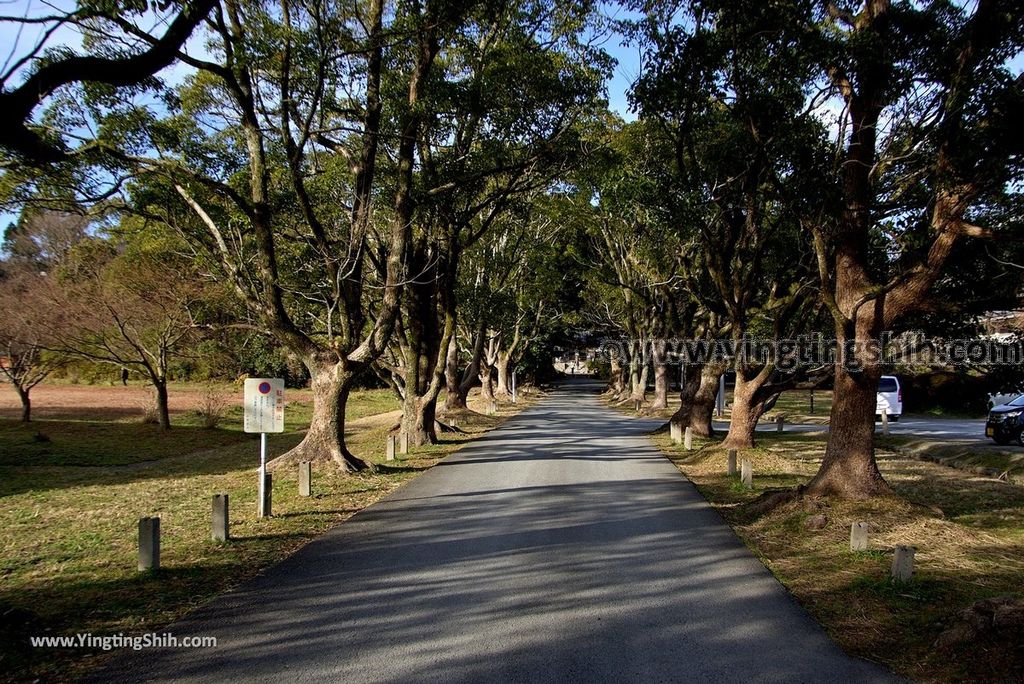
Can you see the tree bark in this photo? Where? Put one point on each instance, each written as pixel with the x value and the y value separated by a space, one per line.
pixel 325 440
pixel 454 400
pixel 691 383
pixel 162 408
pixel 618 379
pixel 848 468
pixel 26 404
pixel 658 347
pixel 703 404
pixel 504 387
pixel 486 382
pixel 746 411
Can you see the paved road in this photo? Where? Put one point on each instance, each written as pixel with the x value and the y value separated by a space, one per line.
pixel 560 548
pixel 970 431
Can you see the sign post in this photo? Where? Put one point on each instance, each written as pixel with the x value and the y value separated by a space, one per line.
pixel 513 385
pixel 263 411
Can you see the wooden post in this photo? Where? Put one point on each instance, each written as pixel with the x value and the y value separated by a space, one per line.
pixel 220 517
pixel 305 478
pixel 747 473
pixel 265 507
pixel 149 544
pixel 732 462
pixel 390 454
pixel 812 402
pixel 688 439
pixel 859 536
pixel 903 563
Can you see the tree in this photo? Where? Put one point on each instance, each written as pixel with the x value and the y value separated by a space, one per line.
pixel 491 137
pixel 51 69
pixel 727 88
pixel 24 359
pixel 133 309
pixel 929 144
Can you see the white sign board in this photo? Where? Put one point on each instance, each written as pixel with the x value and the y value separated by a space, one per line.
pixel 264 405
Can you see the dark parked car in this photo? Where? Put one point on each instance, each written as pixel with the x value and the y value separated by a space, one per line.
pixel 1005 422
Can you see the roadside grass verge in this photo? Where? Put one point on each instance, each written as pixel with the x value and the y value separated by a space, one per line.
pixel 69 550
pixel 968 531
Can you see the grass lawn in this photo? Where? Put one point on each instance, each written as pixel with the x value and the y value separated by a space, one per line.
pixel 968 531
pixel 70 503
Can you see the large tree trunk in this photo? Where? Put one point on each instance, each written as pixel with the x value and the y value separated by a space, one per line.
pixel 848 468
pixel 418 416
pixel 501 365
pixel 454 400
pixel 690 384
pixel 26 404
pixel 325 440
pixel 746 411
pixel 618 376
pixel 703 404
pixel 486 382
pixel 660 376
pixel 640 381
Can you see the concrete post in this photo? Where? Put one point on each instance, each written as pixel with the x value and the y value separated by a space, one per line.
pixel 885 422
pixel 305 478
pixel 747 473
pixel 732 462
pixel 390 454
pixel 220 517
pixel 688 439
pixel 265 507
pixel 149 544
pixel 454 422
pixel 403 443
pixel 903 563
pixel 779 423
pixel 859 536
pixel 674 430
pixel 492 409
pixel 636 405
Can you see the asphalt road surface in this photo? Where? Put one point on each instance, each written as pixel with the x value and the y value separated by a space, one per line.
pixel 968 431
pixel 561 547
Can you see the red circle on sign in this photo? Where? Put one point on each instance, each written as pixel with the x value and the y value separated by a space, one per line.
pixel 264 388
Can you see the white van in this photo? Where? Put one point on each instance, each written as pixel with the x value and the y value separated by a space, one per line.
pixel 889 398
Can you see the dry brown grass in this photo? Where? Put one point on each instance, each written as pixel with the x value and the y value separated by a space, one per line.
pixel 968 531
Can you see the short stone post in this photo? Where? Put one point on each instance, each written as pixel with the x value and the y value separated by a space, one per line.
pixel 859 536
pixel 779 424
pixel 747 473
pixel 220 517
pixel 636 405
pixel 403 443
pixel 903 563
pixel 812 403
pixel 885 422
pixel 688 439
pixel 265 507
pixel 390 454
pixel 732 463
pixel 454 422
pixel 492 409
pixel 673 429
pixel 305 478
pixel 149 544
